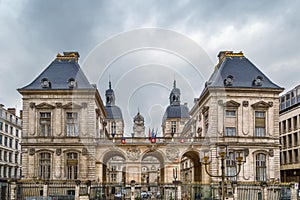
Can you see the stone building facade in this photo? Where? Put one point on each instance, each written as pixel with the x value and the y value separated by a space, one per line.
pixel 70 135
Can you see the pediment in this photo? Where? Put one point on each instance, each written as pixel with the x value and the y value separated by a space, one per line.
pixel 71 105
pixel 44 106
pixel 261 104
pixel 232 104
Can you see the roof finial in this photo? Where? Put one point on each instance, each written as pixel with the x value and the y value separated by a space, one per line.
pixel 109 83
pixel 138 109
pixel 174 83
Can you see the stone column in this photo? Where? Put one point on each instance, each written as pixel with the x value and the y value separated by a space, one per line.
pixel 13 189
pixel 45 190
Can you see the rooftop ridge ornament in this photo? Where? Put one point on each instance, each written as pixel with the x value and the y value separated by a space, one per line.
pixel 231 54
pixel 68 56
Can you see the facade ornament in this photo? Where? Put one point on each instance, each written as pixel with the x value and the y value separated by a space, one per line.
pixel 245 103
pixel 271 152
pixel 172 153
pixel 84 105
pixel 58 105
pixel 220 102
pixel 58 151
pixel 31 105
pixel 133 153
pixel 84 151
pixel 31 151
pixel 270 103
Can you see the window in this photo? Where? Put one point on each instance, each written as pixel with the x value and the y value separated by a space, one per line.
pixel 1 126
pixel 45 123
pixel 45 165
pixel 11 130
pixel 16 157
pixel 113 177
pixel 17 144
pixel 72 124
pixel 0 157
pixel 5 141
pixel 10 157
pixel 4 171
pixel 6 128
pixel 17 132
pixel 261 167
pixel 230 113
pixel 10 142
pixel 173 127
pixel 230 166
pixel 230 131
pixel 113 128
pixel 10 118
pixel 1 139
pixel 260 127
pixel 72 165
pixel 5 156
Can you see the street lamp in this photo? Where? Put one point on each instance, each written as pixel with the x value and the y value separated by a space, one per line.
pixel 222 154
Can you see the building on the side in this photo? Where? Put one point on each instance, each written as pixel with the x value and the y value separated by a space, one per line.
pixel 10 148
pixel 289 126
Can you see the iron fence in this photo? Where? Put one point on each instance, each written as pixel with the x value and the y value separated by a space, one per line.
pixel 62 190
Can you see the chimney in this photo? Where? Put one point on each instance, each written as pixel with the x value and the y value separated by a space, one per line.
pixel 1 105
pixel 11 110
pixel 222 54
pixel 21 114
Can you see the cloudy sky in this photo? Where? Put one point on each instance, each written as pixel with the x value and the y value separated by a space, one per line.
pixel 143 45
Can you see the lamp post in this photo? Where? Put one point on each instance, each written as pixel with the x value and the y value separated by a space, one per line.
pixel 175 181
pixel 222 153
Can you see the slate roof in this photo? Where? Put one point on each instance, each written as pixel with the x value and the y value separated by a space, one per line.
pixel 113 112
pixel 176 111
pixel 242 72
pixel 59 72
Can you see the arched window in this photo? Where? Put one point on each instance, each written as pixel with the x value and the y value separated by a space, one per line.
pixel 72 165
pixel 45 165
pixel 261 168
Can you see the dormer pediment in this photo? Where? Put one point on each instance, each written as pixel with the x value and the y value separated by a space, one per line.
pixel 44 106
pixel 231 104
pixel 261 105
pixel 71 105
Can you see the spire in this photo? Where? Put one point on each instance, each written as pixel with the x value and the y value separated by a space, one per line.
pixel 175 95
pixel 110 96
pixel 174 84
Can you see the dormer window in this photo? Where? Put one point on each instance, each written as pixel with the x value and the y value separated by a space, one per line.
pixel 72 83
pixel 45 83
pixel 228 81
pixel 258 81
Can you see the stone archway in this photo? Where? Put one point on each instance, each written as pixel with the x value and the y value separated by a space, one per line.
pixel 191 169
pixel 113 173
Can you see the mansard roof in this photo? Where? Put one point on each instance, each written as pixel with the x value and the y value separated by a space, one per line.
pixel 113 112
pixel 64 73
pixel 236 71
pixel 176 111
